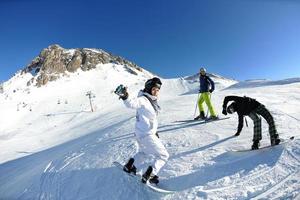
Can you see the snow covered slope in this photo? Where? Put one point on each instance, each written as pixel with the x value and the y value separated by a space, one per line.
pixel 44 116
pixel 262 82
pixel 61 150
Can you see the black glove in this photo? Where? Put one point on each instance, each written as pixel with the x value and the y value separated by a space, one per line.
pixel 237 134
pixel 224 111
pixel 124 96
pixel 211 90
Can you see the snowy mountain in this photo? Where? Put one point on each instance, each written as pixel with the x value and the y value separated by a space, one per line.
pixel 263 82
pixel 220 82
pixel 54 147
pixel 55 61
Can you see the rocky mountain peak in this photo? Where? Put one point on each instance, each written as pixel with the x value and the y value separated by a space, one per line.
pixel 55 60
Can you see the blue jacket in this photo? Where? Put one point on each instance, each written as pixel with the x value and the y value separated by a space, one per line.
pixel 205 84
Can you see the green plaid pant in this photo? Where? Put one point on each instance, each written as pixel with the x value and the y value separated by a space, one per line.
pixel 255 116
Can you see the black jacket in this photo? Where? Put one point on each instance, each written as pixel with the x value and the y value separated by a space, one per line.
pixel 243 106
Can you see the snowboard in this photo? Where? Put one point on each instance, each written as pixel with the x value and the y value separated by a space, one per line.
pixel 283 141
pixel 138 178
pixel 201 120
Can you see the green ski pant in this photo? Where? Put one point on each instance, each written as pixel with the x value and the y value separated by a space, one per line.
pixel 205 97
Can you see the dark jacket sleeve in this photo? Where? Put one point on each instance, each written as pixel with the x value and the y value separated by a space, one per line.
pixel 211 82
pixel 241 123
pixel 229 98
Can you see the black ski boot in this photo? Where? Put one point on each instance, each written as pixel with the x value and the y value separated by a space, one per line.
pixel 147 174
pixel 201 116
pixel 213 118
pixel 154 180
pixel 275 140
pixel 129 167
pixel 237 134
pixel 255 144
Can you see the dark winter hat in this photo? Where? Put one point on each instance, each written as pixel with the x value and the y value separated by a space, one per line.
pixel 231 108
pixel 154 82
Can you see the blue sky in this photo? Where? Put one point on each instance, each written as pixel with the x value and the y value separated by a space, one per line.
pixel 241 39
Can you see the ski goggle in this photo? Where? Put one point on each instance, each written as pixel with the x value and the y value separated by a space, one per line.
pixel 157 85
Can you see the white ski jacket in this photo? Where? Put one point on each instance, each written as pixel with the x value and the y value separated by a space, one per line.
pixel 146 117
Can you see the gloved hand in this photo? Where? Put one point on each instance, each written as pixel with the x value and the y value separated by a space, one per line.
pixel 124 96
pixel 224 111
pixel 121 91
pixel 211 90
pixel 237 134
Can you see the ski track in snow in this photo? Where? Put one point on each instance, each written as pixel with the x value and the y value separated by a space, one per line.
pixel 72 155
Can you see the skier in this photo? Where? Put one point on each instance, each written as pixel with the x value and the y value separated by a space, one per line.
pixel 252 108
pixel 146 130
pixel 207 86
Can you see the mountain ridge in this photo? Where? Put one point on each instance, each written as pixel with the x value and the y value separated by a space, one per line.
pixel 56 60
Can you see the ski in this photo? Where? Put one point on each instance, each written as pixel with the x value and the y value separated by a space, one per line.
pixel 202 120
pixel 213 120
pixel 137 178
pixel 188 120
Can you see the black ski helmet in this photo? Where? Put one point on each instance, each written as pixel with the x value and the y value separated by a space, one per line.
pixel 154 82
pixel 231 108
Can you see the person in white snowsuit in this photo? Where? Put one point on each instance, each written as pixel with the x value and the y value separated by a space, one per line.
pixel 146 131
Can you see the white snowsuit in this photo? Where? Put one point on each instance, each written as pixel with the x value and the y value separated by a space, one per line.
pixel 145 130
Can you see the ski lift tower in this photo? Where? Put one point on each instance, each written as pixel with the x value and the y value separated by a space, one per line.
pixel 91 96
pixel 1 88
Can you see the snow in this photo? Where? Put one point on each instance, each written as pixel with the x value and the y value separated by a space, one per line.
pixel 262 82
pixel 96 50
pixel 65 151
pixel 70 51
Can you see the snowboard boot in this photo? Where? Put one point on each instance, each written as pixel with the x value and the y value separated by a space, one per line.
pixel 154 180
pixel 147 174
pixel 201 116
pixel 275 140
pixel 255 144
pixel 129 167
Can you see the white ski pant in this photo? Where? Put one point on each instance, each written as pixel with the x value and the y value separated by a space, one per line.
pixel 151 145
